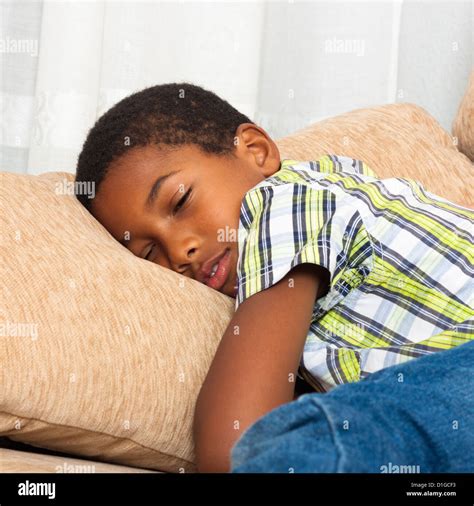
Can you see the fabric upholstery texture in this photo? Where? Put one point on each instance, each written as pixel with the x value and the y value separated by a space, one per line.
pixel 463 125
pixel 112 349
pixel 14 461
pixel 103 353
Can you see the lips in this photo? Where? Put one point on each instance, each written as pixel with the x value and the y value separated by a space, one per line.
pixel 217 281
pixel 206 269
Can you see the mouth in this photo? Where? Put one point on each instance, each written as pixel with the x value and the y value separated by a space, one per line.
pixel 219 272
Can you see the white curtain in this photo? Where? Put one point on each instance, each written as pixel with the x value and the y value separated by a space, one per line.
pixel 285 64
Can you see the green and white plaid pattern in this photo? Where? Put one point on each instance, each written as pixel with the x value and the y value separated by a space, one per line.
pixel 400 261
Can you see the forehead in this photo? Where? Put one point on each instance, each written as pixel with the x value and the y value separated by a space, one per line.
pixel 133 173
pixel 119 203
pixel 140 164
pixel 122 194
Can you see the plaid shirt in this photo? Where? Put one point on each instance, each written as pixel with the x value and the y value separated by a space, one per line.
pixel 400 261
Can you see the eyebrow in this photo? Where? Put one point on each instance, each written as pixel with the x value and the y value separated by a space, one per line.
pixel 155 189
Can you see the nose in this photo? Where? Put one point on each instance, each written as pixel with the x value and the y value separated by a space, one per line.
pixel 183 260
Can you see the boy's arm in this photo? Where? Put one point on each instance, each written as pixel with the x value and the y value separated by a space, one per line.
pixel 254 370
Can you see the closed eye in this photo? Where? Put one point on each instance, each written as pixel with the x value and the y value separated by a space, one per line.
pixel 178 206
pixel 182 201
pixel 148 254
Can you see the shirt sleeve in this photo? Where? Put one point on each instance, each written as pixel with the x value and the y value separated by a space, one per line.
pixel 286 225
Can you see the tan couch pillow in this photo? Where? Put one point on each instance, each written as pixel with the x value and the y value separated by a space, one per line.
pixel 104 353
pixel 463 125
pixel 13 461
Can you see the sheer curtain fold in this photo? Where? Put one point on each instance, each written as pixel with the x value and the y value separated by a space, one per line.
pixel 284 64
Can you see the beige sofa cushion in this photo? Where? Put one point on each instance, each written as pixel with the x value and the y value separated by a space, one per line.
pixel 463 125
pixel 103 353
pixel 14 461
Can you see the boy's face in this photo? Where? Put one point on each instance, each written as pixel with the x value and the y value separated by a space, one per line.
pixel 185 235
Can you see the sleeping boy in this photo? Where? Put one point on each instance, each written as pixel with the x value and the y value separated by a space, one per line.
pixel 336 273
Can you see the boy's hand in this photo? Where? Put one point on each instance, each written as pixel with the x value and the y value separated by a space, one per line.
pixel 254 369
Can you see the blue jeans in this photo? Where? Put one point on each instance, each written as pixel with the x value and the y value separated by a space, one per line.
pixel 419 415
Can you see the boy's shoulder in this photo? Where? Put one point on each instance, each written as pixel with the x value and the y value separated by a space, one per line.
pixel 329 164
pixel 307 171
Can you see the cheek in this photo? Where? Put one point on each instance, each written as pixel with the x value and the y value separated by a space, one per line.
pixel 220 214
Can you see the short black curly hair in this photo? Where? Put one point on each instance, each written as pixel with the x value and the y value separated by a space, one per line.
pixel 168 115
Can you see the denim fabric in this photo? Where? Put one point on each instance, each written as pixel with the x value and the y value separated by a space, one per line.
pixel 419 415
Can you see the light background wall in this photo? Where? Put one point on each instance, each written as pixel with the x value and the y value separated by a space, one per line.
pixel 285 64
